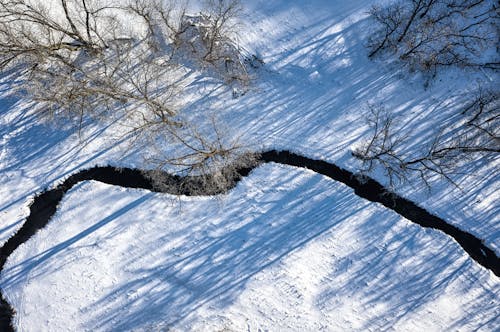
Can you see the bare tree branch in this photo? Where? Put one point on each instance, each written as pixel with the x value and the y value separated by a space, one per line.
pixel 477 134
pixel 427 34
pixel 79 59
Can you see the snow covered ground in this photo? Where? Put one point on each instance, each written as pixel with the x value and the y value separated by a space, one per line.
pixel 287 249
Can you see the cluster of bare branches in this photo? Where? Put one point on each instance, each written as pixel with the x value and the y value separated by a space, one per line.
pixel 90 58
pixel 210 164
pixel 478 133
pixel 209 40
pixel 427 34
pixel 79 57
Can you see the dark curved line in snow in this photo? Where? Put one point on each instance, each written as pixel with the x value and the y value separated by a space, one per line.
pixel 45 205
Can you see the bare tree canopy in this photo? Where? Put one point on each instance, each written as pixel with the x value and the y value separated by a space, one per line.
pixel 427 34
pixel 477 132
pixel 80 57
pixel 89 58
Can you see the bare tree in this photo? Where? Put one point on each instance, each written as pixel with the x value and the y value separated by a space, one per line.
pixel 483 116
pixel 208 38
pixel 163 20
pixel 209 163
pixel 219 27
pixel 80 58
pixel 427 34
pixel 477 133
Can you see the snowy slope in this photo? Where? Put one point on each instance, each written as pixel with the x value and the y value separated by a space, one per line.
pixel 287 249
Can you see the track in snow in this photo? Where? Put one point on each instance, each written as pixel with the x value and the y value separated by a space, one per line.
pixel 45 205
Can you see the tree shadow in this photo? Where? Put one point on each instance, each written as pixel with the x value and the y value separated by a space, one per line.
pixel 391 267
pixel 211 252
pixel 215 269
pixel 320 81
pixel 176 264
pixel 403 272
pixel 38 262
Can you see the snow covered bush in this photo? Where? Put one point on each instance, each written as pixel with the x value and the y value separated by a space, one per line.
pixel 427 34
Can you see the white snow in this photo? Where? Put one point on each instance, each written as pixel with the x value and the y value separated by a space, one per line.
pixel 285 250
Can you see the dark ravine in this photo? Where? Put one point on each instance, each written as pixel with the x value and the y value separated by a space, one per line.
pixel 45 205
